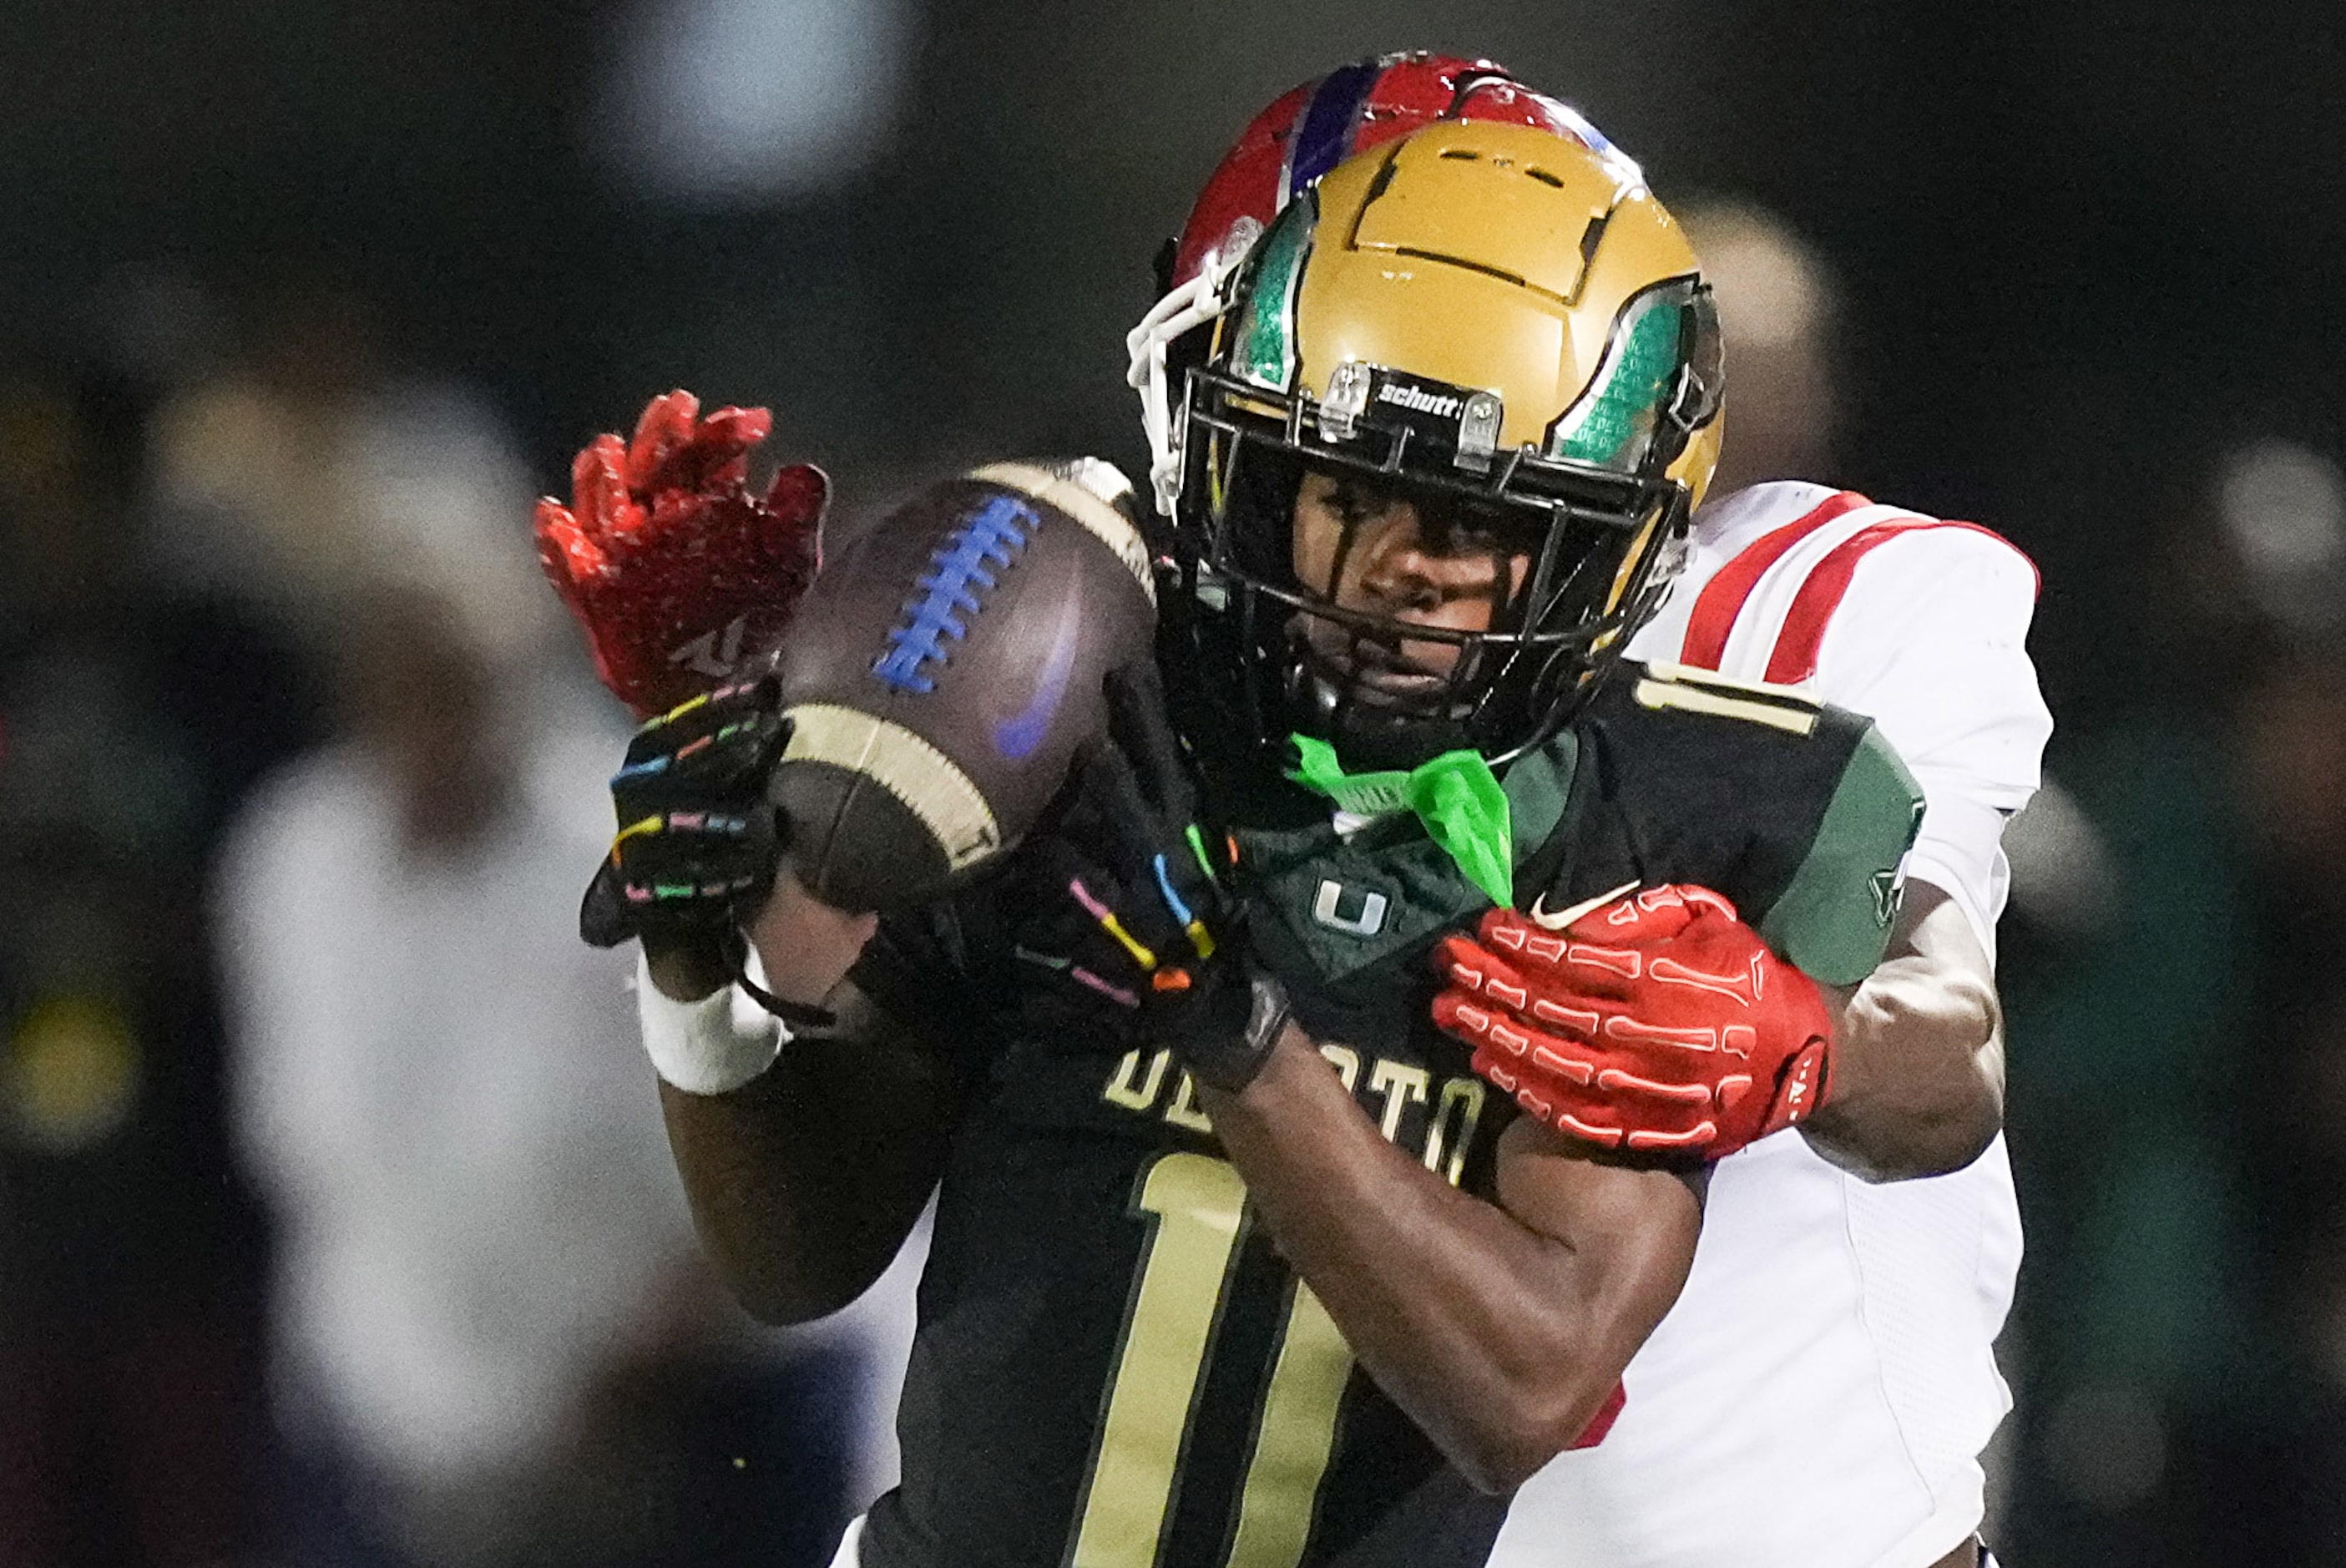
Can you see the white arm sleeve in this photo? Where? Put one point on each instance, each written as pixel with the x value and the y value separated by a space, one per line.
pixel 712 1046
pixel 1930 642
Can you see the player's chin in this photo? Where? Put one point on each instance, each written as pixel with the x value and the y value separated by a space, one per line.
pixel 1412 677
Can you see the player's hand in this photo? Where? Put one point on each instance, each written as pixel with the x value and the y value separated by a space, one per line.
pixel 698 841
pixel 677 572
pixel 1133 927
pixel 1657 1022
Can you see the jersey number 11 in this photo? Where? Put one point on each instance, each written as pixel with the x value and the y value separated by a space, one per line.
pixel 1196 1206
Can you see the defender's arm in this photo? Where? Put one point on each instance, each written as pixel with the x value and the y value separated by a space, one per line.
pixel 1930 639
pixel 1502 1329
pixel 1918 1051
pixel 805 1181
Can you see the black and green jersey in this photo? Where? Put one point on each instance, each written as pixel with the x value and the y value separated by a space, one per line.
pixel 1113 1368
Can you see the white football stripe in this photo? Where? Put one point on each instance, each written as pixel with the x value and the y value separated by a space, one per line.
pixel 925 778
pixel 1110 527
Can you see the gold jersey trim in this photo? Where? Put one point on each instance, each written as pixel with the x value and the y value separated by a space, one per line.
pixel 1659 691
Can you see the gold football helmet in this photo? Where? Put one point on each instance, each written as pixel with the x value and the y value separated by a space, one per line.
pixel 1500 322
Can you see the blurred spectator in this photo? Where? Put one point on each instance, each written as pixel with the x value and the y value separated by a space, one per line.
pixel 493 1340
pixel 316 464
pixel 2174 1005
pixel 2281 506
pixel 438 1087
pixel 1778 314
pixel 131 717
pixel 2138 1351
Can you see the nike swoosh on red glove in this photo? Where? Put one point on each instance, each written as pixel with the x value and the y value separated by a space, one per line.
pixel 677 572
pixel 1658 1022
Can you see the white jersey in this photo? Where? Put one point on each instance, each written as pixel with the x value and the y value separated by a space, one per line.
pixel 1820 1392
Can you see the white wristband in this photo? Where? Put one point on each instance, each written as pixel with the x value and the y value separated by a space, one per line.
pixel 712 1046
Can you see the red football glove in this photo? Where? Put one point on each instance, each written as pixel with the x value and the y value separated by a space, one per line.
pixel 1657 1022
pixel 677 572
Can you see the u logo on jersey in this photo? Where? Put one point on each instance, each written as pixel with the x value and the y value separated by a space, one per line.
pixel 1368 919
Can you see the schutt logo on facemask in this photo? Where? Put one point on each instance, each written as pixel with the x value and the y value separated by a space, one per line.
pixel 1418 400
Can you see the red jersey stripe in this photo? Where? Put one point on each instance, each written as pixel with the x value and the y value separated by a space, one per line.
pixel 1723 596
pixel 1795 656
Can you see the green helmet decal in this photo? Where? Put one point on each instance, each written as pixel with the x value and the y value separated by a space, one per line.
pixel 1265 345
pixel 1613 424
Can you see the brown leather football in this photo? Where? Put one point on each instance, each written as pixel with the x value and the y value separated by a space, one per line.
pixel 944 670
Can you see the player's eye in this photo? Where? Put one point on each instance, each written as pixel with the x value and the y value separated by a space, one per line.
pixel 1352 503
pixel 1491 532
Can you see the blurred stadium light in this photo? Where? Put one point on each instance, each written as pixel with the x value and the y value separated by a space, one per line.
pixel 736 105
pixel 2284 509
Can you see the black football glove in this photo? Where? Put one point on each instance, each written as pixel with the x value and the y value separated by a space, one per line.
pixel 1132 927
pixel 698 842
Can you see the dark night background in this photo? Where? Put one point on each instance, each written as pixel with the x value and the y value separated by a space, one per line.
pixel 2087 254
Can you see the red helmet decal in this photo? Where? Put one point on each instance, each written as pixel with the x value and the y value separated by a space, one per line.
pixel 1312 128
pixel 1249 182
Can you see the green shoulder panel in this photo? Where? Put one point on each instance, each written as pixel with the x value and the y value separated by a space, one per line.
pixel 1833 918
pixel 1537 787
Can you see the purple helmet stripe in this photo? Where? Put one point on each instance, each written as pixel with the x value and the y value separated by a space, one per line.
pixel 1324 134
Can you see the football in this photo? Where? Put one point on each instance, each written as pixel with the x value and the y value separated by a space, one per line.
pixel 941 672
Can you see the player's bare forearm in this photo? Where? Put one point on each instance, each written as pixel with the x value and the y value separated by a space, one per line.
pixel 1500 1328
pixel 805 1181
pixel 1917 1083
pixel 687 971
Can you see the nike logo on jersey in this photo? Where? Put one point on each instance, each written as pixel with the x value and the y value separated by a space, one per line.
pixel 1546 920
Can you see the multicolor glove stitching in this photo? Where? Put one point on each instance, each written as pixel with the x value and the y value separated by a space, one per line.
pixel 698 842
pixel 1132 909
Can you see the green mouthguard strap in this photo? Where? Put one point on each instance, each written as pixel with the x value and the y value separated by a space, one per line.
pixel 1456 797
